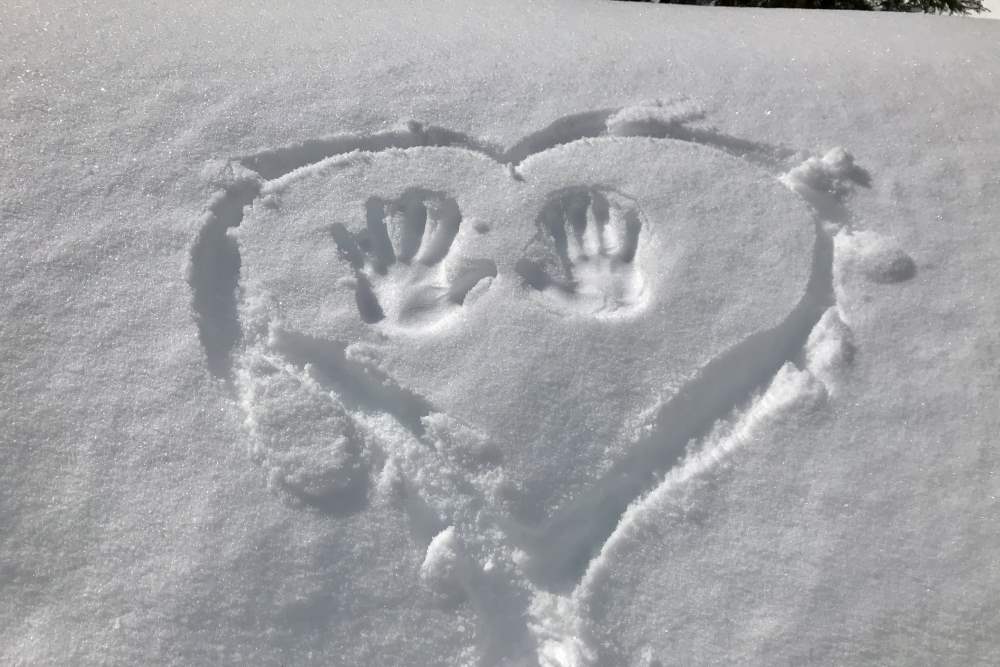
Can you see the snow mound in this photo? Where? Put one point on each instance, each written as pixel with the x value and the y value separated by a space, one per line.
pixel 834 173
pixel 302 435
pixel 872 256
pixel 441 571
pixel 652 118
pixel 830 348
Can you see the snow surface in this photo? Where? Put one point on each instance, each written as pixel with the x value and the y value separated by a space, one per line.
pixel 560 333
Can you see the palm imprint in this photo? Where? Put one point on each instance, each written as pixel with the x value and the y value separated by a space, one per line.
pixel 583 258
pixel 398 259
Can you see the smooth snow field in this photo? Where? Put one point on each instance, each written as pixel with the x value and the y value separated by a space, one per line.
pixel 498 333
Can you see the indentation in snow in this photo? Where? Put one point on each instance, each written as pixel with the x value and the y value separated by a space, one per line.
pixel 303 436
pixel 584 257
pixel 397 259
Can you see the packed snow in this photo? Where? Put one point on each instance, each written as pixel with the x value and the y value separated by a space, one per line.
pixel 543 333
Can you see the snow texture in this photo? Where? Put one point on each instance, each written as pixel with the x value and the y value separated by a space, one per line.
pixel 553 333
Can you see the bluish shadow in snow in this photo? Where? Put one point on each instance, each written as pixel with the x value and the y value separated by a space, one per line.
pixel 340 503
pixel 214 274
pixel 359 387
pixel 561 131
pixel 271 164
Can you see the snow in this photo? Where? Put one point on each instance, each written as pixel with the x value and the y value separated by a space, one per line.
pixel 559 333
pixel 994 10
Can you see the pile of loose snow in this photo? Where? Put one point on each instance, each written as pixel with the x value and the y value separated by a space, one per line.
pixel 494 334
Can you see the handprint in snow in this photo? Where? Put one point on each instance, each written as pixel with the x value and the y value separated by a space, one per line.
pixel 398 258
pixel 583 259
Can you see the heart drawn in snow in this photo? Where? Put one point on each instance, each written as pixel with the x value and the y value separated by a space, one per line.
pixel 551 324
